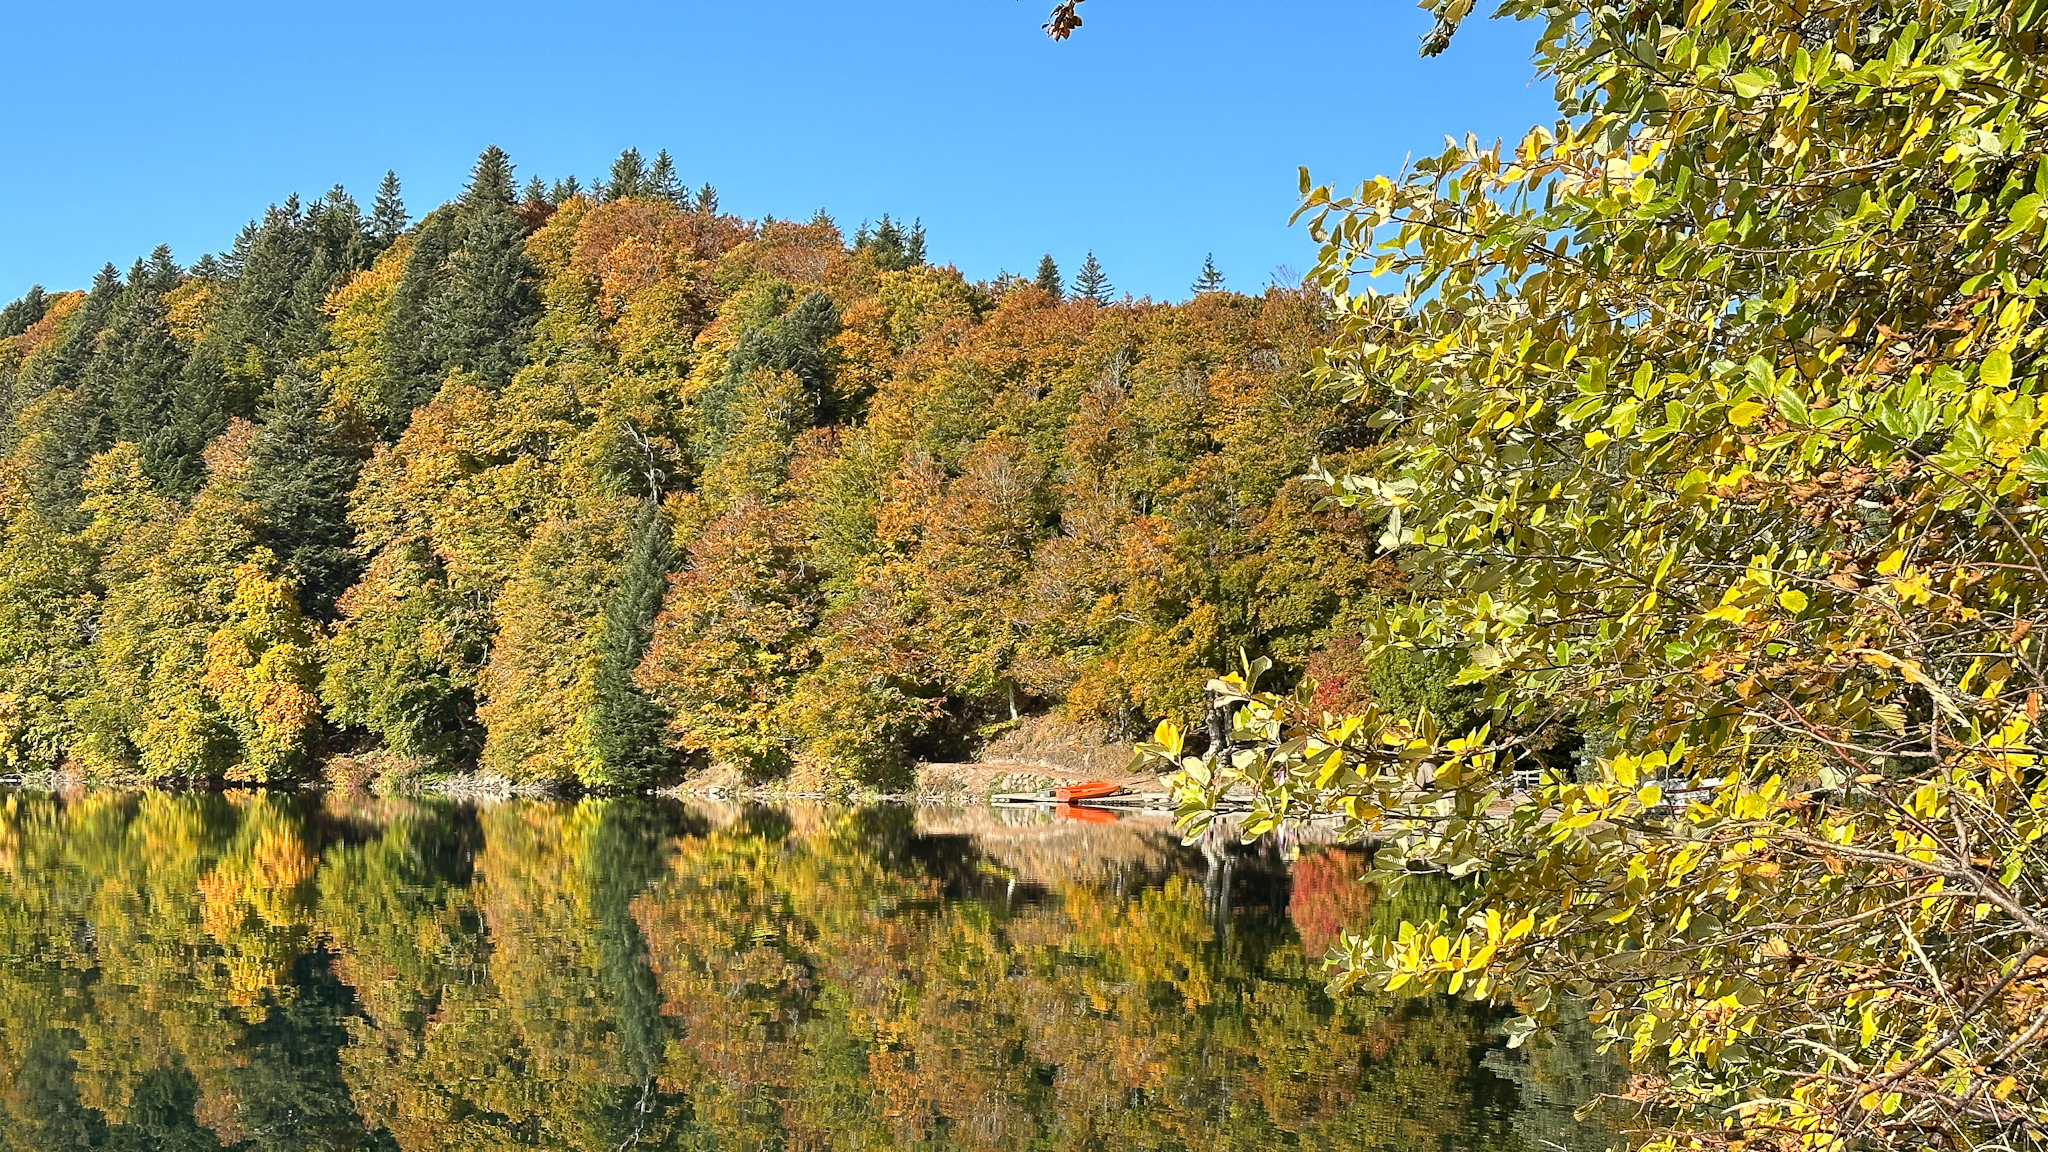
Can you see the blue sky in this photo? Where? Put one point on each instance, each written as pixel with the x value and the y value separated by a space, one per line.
pixel 1164 130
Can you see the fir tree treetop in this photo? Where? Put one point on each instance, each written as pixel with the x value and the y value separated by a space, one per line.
pixel 490 182
pixel 1049 276
pixel 1091 283
pixel 387 216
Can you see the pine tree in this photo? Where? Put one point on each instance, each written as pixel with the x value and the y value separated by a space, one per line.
pixel 629 177
pixel 482 315
pixel 24 313
pixel 627 730
pixel 887 243
pixel 564 190
pixel 81 426
pixel 1210 280
pixel 536 193
pixel 1090 283
pixel 1049 276
pixel 302 467
pixel 913 248
pixel 413 369
pixel 707 200
pixel 387 216
pixel 490 182
pixel 662 183
pixel 137 372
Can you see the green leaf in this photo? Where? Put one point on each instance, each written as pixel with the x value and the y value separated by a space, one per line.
pixel 1752 83
pixel 1997 369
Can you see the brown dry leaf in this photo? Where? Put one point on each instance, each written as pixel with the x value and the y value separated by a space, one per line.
pixel 1064 20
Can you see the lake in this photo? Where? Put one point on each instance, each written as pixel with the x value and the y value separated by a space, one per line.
pixel 261 970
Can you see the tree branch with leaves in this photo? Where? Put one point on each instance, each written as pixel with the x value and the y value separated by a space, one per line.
pixel 1717 416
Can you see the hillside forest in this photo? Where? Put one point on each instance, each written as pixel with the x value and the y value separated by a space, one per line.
pixel 594 485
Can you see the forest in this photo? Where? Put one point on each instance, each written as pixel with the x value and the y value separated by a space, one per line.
pixel 1640 521
pixel 592 486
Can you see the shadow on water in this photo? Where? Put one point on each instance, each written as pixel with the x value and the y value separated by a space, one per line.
pixel 261 971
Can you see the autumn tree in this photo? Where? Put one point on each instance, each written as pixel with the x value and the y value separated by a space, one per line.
pixel 1716 423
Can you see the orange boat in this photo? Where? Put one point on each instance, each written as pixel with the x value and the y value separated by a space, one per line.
pixel 1092 790
pixel 1086 815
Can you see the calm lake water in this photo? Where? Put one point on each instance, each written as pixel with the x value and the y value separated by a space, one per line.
pixel 182 971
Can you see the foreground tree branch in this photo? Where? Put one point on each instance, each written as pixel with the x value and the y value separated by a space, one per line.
pixel 1743 470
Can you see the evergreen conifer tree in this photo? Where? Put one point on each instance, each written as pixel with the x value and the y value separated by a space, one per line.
pixel 1090 283
pixel 24 313
pixel 536 193
pixel 662 183
pixel 490 182
pixel 387 215
pixel 564 190
pixel 138 369
pixel 274 283
pixel 302 467
pixel 629 177
pixel 412 366
pixel 887 243
pixel 1049 276
pixel 82 425
pixel 1210 280
pixel 707 200
pixel 482 315
pixel 628 731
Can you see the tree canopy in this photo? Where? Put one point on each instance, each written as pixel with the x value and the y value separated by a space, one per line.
pixel 1714 423
pixel 604 487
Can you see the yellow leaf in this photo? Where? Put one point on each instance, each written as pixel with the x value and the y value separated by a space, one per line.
pixel 1793 599
pixel 1997 369
pixel 1745 413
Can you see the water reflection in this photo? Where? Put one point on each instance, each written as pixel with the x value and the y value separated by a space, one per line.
pixel 258 971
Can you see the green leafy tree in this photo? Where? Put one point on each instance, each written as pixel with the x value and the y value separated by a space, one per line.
pixel 1715 415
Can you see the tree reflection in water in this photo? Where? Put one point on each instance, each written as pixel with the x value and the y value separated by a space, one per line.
pixel 262 971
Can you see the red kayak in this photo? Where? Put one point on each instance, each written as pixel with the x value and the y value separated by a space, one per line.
pixel 1092 790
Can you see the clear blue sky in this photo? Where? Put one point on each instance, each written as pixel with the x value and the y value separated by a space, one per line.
pixel 1164 130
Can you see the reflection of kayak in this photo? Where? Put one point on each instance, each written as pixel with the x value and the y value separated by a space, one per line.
pixel 1086 815
pixel 1092 790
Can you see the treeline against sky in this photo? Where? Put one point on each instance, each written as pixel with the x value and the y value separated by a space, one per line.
pixel 595 485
